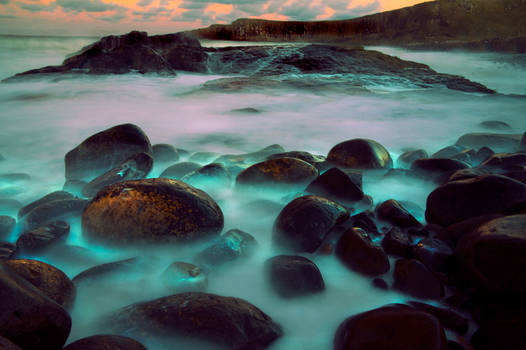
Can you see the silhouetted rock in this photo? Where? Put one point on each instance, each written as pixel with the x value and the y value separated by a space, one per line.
pixel 433 253
pixel 437 169
pixel 455 232
pixel 412 277
pixel 398 243
pixel 177 171
pixel 468 173
pixel 53 196
pixel 380 283
pixel 6 344
pixel 182 277
pixel 336 185
pixel 99 342
pixel 503 162
pixel 447 317
pixel 407 158
pixel 360 154
pixel 7 250
pixel 42 237
pixel 393 212
pixel 163 152
pixel 293 276
pixel 366 221
pixel 252 157
pixel 502 332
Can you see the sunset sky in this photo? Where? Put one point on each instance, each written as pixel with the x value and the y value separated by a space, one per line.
pixel 100 17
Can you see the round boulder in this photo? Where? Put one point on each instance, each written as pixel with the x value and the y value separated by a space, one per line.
pixel 360 154
pixel 163 152
pixel 179 170
pixel 407 158
pixel 103 342
pixel 413 277
pixel 151 210
pixel 437 169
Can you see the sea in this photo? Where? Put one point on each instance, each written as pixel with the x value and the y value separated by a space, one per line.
pixel 42 119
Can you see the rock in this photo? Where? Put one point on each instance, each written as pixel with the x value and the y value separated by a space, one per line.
pixel 203 157
pixel 290 172
pixel 5 344
pixel 105 150
pixel 468 173
pixel 413 278
pixel 53 211
pixel 100 272
pixel 460 200
pixel 437 169
pixel 293 276
pixel 53 196
pixel 494 254
pixel 246 110
pixel 74 186
pixel 134 168
pixel 356 250
pixel 482 155
pixel 407 158
pixel 502 162
pixel 448 152
pixel 304 156
pixel 151 210
pixel 393 212
pixel 502 333
pixel 305 222
pixel 9 206
pixel 40 238
pixel 336 185
pixel 224 321
pixel 433 253
pixel 182 277
pixel 360 154
pixel 398 243
pixel 452 234
pixel 52 282
pixel 522 145
pixel 231 245
pixel 7 225
pixel 497 142
pixel 252 157
pixel 102 342
pixel 7 250
pixel 495 125
pixel 28 318
pixel 391 327
pixel 213 174
pixel 380 283
pixel 163 152
pixel 177 171
pixel 365 220
pixel 447 317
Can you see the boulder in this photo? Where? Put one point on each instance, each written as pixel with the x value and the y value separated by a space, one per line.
pixel 437 169
pixel 407 158
pixel 7 225
pixel 336 185
pixel 305 156
pixel 231 245
pixel 502 333
pixel 53 196
pixel 105 342
pixel 391 327
pixel 356 250
pixel 360 154
pixel 177 171
pixel 393 212
pixel 151 210
pixel 468 173
pixel 461 200
pixel 42 237
pixel 398 243
pixel 497 142
pixel 447 317
pixel 203 157
pixel 54 211
pixel 365 220
pixel 502 162
pixel 182 277
pixel 7 250
pixel 99 272
pixel 214 174
pixel 433 253
pixel 6 344
pixel 293 276
pixel 305 222
pixel 413 278
pixel 163 152
pixel 105 150
pixel 225 321
pixel 453 233
pixel 252 157
pixel 448 151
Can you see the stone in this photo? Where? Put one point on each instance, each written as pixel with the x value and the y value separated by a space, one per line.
pixel 453 233
pixel 53 196
pixel 7 250
pixel 203 157
pixel 502 162
pixel 495 125
pixel 365 220
pixel 151 210
pixel 413 278
pixel 214 174
pixel 437 169
pixel 433 253
pixel 225 321
pixel 74 186
pixel 305 156
pixel 336 185
pixel 502 333
pixel 497 142
pixel 468 173
pixel 391 327
pixel 5 344
pixel 482 155
pixel 393 212
pixel 136 167
pixel 461 200
pixel 7 225
pixel 522 145
pixel 380 283
pixel 99 272
pixel 42 237
pixel 54 211
pixel 182 277
pixel 356 250
pixel 177 171
pixel 163 152
pixel 305 222
pixel 106 341
pixel 397 243
pixel 105 150
pixel 448 152
pixel 407 158
pixel 246 110
pixel 447 317
pixel 252 157
pixel 293 276
pixel 360 154
pixel 9 206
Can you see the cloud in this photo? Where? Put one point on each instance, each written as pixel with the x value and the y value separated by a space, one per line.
pixel 86 6
pixel 7 16
pixel 152 14
pixel 37 7
pixel 4 2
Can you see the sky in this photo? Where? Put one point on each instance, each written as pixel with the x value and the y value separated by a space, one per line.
pixel 102 17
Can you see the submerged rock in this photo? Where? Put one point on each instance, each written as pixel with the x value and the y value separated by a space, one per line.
pixel 151 210
pixel 360 154
pixel 177 171
pixel 102 342
pixel 54 211
pixel 437 169
pixel 182 277
pixel 495 125
pixel 412 277
pixel 53 196
pixel 407 158
pixel 210 175
pixel 163 152
pixel 42 237
pixel 100 272
pixel 393 212
pixel 7 250
pixel 447 317
pixel 497 142
pixel 336 185
pixel 398 243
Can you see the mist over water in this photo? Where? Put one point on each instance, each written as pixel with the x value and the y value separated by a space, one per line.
pixel 41 120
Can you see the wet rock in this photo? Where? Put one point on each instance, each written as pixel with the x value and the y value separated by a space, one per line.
pixel 453 233
pixel 380 283
pixel 305 222
pixel 447 317
pixel 360 154
pixel 366 221
pixel 53 196
pixel 7 250
pixel 398 243
pixel 163 152
pixel 203 157
pixel 502 162
pixel 305 156
pixel 40 238
pixel 99 272
pixel 225 321
pixel 52 282
pixel 7 225
pixel 448 152
pixel 252 157
pixel 290 172
pixel 407 158
pixel 495 125
pixel 393 212
pixel 231 245
pixel 356 250
pixel 497 142
pixel 182 277
pixel 391 327
pixel 469 173
pixel 460 200
pixel 482 155
pixel 53 211
pixel 494 254
pixel 438 169
pixel 102 342
pixel 434 253
pixel 336 185
pixel 105 150
pixel 5 344
pixel 413 278
pixel 213 174
pixel 177 171
pixel 151 210
pixel 293 276
pixel 28 318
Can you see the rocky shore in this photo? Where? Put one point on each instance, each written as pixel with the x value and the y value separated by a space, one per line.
pixel 465 263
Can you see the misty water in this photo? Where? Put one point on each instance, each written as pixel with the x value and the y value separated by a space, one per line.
pixel 42 119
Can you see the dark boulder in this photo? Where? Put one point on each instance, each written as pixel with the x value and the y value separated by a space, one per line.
pixel 398 243
pixel 53 196
pixel 105 342
pixel 7 225
pixel 380 283
pixel 468 173
pixel 360 154
pixel 497 142
pixel 502 333
pixel 224 321
pixel 448 151
pixel 177 171
pixel 522 145
pixel 42 237
pixel 461 200
pixel 305 156
pixel 453 233
pixel 336 185
pixel 7 250
pixel 447 317
pixel 252 157
pixel 393 212
pixel 407 158
pixel 105 150
pixel 100 272
pixel 163 152
pixel 305 222
pixel 53 211
pixel 413 278
pixel 502 162
pixel 434 253
pixel 365 220
pixel 134 168
pixel 52 282
pixel 356 250
pixel 438 169
pixel 28 318
pixel 182 277
pixel 6 344
pixel 391 327
pixel 293 276
pixel 481 155
pixel 151 210
pixel 214 174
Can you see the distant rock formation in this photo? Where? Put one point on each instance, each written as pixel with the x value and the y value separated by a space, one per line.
pixel 495 25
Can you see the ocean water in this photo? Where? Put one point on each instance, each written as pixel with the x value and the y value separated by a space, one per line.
pixel 41 120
